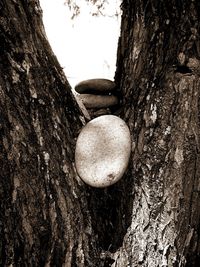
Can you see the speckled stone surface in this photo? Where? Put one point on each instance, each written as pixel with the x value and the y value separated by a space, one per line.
pixel 103 150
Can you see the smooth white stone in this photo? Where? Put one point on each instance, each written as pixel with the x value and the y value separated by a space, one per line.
pixel 103 150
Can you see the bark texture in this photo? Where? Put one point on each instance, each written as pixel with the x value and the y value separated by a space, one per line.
pixel 158 73
pixel 44 219
pixel 151 217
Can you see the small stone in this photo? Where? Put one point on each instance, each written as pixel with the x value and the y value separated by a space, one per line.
pixel 98 112
pixel 95 86
pixel 102 151
pixel 98 101
pixel 102 111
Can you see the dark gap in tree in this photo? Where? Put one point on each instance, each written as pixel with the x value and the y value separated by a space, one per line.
pixel 193 261
pixel 74 256
pixel 108 262
pixel 58 254
pixel 183 69
pixel 111 210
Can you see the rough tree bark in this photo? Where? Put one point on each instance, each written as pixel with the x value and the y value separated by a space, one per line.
pixel 49 217
pixel 44 215
pixel 158 71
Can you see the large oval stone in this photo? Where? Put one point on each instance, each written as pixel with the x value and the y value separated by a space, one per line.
pixel 98 101
pixel 103 150
pixel 95 86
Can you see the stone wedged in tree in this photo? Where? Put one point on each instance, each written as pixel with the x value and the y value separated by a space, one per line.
pixel 95 86
pixel 103 150
pixel 99 112
pixel 98 101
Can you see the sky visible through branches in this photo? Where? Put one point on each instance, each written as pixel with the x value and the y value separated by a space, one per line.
pixel 86 45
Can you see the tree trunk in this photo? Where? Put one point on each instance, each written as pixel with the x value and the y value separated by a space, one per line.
pixel 49 217
pixel 158 72
pixel 44 215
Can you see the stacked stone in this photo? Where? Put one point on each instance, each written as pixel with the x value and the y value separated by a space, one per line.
pixel 98 96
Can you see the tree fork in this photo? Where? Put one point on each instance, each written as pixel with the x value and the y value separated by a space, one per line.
pixel 151 217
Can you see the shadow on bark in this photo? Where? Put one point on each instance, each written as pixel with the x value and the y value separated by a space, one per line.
pixel 111 210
